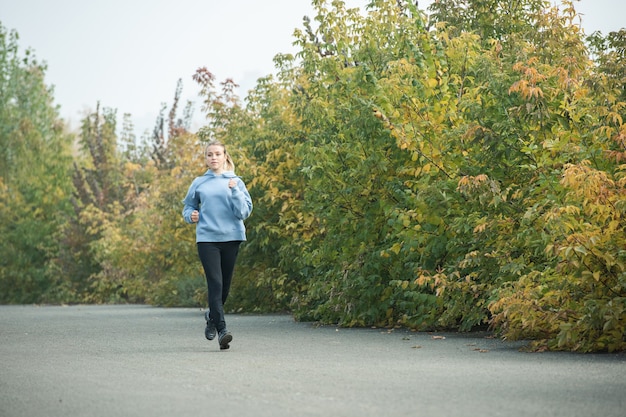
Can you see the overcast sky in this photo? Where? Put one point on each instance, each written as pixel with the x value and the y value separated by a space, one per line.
pixel 129 54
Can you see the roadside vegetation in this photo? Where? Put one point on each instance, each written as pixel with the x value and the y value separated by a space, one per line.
pixel 461 170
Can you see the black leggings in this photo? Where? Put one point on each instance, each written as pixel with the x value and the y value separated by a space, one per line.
pixel 218 260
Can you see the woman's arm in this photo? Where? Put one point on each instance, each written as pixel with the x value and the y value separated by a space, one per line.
pixel 241 200
pixel 191 203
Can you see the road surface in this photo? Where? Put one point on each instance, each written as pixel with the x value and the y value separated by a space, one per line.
pixel 144 361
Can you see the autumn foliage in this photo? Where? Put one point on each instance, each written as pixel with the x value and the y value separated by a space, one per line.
pixel 449 171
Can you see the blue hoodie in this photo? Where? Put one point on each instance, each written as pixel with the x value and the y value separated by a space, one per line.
pixel 222 209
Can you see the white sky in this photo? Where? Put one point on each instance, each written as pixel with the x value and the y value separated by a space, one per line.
pixel 129 54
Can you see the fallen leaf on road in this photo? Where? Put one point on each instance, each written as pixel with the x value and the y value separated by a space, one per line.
pixel 439 337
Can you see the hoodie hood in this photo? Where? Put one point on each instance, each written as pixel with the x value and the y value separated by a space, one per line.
pixel 224 174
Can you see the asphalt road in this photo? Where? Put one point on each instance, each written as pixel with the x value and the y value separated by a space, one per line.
pixel 145 361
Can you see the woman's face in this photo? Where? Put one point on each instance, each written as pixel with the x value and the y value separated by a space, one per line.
pixel 215 158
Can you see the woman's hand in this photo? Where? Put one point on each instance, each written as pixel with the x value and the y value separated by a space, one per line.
pixel 195 216
pixel 232 183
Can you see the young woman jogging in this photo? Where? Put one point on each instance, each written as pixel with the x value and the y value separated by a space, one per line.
pixel 218 203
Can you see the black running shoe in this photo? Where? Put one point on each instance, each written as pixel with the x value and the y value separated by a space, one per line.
pixel 225 338
pixel 210 331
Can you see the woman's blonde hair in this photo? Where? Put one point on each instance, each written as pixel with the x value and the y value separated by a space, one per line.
pixel 229 165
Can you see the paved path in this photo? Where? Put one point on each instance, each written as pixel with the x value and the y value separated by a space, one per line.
pixel 144 361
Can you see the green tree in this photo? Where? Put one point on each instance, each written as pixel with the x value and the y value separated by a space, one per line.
pixel 97 199
pixel 439 170
pixel 139 247
pixel 34 174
